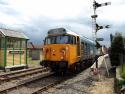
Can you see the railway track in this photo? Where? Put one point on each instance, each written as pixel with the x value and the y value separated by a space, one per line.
pixel 21 73
pixel 47 87
pixel 52 84
pixel 25 82
pixel 33 84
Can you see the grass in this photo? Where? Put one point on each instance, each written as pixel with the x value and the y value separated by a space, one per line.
pixel 122 71
pixel 33 62
pixel 122 74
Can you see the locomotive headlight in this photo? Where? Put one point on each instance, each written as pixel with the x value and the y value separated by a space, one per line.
pixel 63 53
pixel 53 50
pixel 67 48
pixel 62 57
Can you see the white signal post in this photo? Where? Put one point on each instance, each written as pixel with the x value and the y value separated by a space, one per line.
pixel 95 26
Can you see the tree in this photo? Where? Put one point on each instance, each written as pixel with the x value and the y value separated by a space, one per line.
pixel 117 49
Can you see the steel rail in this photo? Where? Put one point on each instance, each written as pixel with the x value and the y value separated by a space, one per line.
pixel 49 86
pixel 15 76
pixel 46 87
pixel 19 71
pixel 25 82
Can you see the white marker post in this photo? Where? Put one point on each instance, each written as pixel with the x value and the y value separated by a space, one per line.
pixel 106 64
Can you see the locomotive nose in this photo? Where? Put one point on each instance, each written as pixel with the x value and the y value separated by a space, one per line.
pixel 56 53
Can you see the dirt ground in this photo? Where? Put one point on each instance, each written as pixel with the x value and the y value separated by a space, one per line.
pixel 105 86
pixel 103 83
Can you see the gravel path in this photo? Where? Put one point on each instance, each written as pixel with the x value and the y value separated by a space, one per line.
pixel 106 84
pixel 103 87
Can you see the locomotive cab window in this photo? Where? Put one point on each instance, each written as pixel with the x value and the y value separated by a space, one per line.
pixel 62 39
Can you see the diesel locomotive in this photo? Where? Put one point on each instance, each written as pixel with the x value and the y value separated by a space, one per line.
pixel 65 50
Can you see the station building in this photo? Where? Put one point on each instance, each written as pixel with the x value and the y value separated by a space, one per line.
pixel 13 49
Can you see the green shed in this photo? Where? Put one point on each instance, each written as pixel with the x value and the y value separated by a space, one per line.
pixel 13 49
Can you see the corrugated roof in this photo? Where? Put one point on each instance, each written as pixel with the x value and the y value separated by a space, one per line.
pixel 12 33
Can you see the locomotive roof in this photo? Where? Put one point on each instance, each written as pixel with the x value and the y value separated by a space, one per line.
pixel 61 31
pixel 83 38
pixel 67 31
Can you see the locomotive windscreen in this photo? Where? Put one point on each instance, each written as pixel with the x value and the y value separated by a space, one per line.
pixel 62 39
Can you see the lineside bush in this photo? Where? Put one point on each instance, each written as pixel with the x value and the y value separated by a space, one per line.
pixel 117 49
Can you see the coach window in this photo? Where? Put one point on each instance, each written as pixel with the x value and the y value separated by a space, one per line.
pixel 82 45
pixel 91 50
pixel 86 51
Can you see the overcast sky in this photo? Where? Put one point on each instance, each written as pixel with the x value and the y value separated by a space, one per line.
pixel 36 17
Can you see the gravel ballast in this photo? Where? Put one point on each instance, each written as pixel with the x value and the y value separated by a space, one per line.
pixel 86 83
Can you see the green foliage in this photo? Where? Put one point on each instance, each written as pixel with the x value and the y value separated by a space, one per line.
pixel 122 82
pixel 122 71
pixel 117 48
pixel 33 62
pixel 122 75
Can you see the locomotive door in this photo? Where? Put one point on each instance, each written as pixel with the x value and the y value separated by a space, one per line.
pixel 78 46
